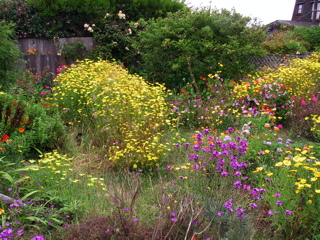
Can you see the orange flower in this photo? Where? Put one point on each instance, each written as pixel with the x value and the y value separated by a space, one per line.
pixel 14 103
pixel 276 128
pixel 195 142
pixel 1 148
pixel 193 137
pixel 21 130
pixel 183 91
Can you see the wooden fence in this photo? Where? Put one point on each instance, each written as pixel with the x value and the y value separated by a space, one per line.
pixel 43 55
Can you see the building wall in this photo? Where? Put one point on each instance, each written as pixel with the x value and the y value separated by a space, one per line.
pixel 303 11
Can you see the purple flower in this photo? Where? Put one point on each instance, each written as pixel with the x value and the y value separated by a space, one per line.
pixel 14 205
pixel 238 174
pixel 206 131
pixel 279 203
pixel 38 238
pixel 253 205
pixel 224 173
pixel 173 219
pixel 240 211
pixel 287 212
pixel 187 145
pixel 277 195
pixel 196 147
pixel 173 214
pixel 9 189
pixel 136 220
pixel 238 184
pixel 270 212
pixel 219 213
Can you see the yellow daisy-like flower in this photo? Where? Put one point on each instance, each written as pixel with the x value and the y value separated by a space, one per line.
pixel 1 211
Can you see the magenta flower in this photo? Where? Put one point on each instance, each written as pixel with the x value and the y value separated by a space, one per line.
pixel 287 212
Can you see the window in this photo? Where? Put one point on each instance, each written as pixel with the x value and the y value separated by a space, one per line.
pixel 300 8
pixel 318 11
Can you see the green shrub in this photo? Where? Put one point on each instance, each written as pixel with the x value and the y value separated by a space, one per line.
pixel 285 42
pixel 9 56
pixel 189 44
pixel 26 127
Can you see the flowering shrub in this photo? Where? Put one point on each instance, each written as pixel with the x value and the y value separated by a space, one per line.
pixel 123 112
pixel 25 127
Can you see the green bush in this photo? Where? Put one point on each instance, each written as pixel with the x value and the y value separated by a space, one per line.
pixel 285 42
pixel 26 127
pixel 9 56
pixel 189 44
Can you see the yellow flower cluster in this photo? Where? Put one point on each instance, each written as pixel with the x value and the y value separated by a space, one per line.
pixel 300 76
pixel 57 164
pixel 316 124
pixel 117 107
pixel 305 167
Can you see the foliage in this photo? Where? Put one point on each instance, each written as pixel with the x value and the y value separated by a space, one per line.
pixel 284 42
pixel 27 127
pixel 189 44
pixel 123 113
pixel 48 19
pixel 9 56
pixel 72 51
pixel 310 35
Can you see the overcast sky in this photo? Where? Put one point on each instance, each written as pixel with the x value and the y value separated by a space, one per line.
pixel 266 11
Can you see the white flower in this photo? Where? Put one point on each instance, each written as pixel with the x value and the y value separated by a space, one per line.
pixel 121 15
pixel 136 24
pixel 107 15
pixel 126 48
pixel 93 25
pixel 90 29
pixel 86 25
pixel 130 31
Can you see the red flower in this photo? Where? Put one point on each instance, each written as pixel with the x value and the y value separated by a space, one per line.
pixel 4 138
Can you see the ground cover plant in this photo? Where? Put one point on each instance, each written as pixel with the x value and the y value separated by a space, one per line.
pixel 104 154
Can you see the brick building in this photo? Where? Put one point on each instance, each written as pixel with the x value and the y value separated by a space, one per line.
pixel 306 12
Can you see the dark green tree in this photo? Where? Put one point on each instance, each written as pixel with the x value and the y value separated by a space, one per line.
pixel 189 44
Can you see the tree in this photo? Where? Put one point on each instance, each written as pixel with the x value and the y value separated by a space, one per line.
pixel 188 44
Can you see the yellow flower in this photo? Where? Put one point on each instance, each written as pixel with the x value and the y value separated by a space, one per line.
pixel 279 164
pixel 1 211
pixel 317 190
pixel 287 162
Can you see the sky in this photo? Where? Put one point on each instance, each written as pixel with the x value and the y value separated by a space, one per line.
pixel 266 11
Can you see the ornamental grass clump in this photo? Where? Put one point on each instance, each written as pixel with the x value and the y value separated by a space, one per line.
pixel 123 114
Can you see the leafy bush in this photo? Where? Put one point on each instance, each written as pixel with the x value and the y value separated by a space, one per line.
pixel 189 44
pixel 124 114
pixel 9 56
pixel 310 35
pixel 26 128
pixel 285 42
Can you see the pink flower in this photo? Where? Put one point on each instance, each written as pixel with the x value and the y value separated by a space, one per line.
pixel 43 93
pixel 314 98
pixel 303 102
